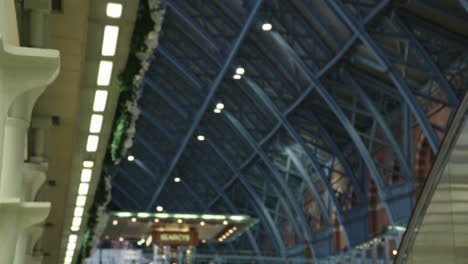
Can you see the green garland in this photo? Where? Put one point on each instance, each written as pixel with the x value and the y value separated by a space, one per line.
pixel 143 26
pixel 122 120
pixel 100 201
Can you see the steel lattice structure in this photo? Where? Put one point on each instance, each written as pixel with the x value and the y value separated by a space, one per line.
pixel 331 86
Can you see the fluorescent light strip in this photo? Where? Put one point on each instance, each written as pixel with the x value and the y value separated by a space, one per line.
pixel 88 164
pixel 114 10
pixel 86 175
pixel 104 73
pixel 81 200
pixel 76 221
pixel 83 189
pixel 78 211
pixel 100 100
pixel 109 42
pixel 96 123
pixel 92 144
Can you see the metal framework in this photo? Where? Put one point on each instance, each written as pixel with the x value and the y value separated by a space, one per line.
pixel 325 110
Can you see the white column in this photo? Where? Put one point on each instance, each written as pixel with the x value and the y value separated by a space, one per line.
pixel 34 177
pixel 24 74
pixel 25 245
pixel 11 182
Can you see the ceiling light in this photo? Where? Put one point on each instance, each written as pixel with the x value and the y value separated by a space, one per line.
pixel 234 228
pixel 121 239
pixel 109 42
pixel 81 200
pixel 73 238
pixel 177 179
pixel 159 208
pixel 225 222
pixel 143 215
pixel 240 70
pixel 76 221
pixel 230 231
pixel 163 215
pixel 79 211
pixel 70 253
pixel 200 137
pixel 68 259
pixel 75 228
pixel 202 223
pixel 220 106
pixel 131 158
pixel 96 123
pixel 394 252
pixel 156 220
pixel 104 73
pixel 71 246
pixel 88 164
pixel 100 100
pixel 123 214
pixel 180 221
pixel 224 237
pixel 92 144
pixel 114 10
pixel 236 77
pixel 83 189
pixel 267 27
pixel 217 111
pixel 213 217
pixel 115 222
pixel 86 175
pixel 203 241
pixel 238 217
pixel 133 220
pixel 220 239
pixel 186 216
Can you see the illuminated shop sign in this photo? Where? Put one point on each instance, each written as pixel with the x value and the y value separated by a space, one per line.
pixel 175 238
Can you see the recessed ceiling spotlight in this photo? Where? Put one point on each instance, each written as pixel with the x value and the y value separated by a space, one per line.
pixel 159 208
pixel 220 239
pixel 220 106
pixel 176 179
pixel 201 138
pixel 236 77
pixel 133 219
pixel 121 239
pixel 179 221
pixel 217 111
pixel 131 158
pixel 394 252
pixel 203 241
pixel 225 222
pixel 156 220
pixel 115 222
pixel 240 70
pixel 266 26
pixel 202 223
pixel 230 231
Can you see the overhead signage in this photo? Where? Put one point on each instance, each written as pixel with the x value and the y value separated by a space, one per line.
pixel 175 238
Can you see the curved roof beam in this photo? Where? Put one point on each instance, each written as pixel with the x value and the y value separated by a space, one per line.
pixel 212 89
pixel 396 78
pixel 283 185
pixel 257 201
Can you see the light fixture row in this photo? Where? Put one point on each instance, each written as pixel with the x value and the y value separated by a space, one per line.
pixel 109 46
pixel 227 234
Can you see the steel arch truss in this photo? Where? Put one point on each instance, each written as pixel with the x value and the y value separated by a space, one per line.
pixel 326 109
